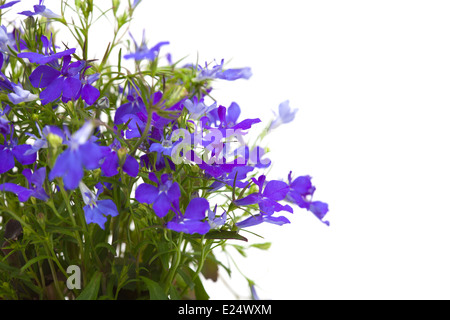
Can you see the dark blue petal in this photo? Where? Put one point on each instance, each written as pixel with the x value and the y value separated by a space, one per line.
pixel 189 226
pixel 110 164
pixel 131 166
pixel 43 76
pixel 146 193
pixel 174 193
pixel 161 206
pixel 71 88
pixel 22 193
pixel 248 200
pixel 19 152
pixel 9 4
pixel 7 160
pixel 52 92
pixel 196 209
pixel 276 190
pixel 90 94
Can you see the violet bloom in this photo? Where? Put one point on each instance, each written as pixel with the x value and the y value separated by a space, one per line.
pixel 81 153
pixel 134 105
pixel 301 191
pixel 35 181
pixel 268 199
pixel 110 161
pixel 10 150
pixel 226 126
pixel 20 95
pixel 192 220
pixel 40 10
pixel 217 72
pixel 143 52
pixel 95 211
pixel 285 115
pixel 197 108
pixel 216 222
pixel 162 196
pixel 58 83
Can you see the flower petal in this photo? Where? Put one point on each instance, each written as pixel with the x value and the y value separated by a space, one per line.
pixel 146 193
pixel 161 206
pixel 43 76
pixel 131 166
pixel 20 151
pixel 107 207
pixel 196 209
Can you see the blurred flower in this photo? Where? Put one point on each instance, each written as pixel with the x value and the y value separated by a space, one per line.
pixel 35 181
pixel 285 115
pixel 81 153
pixel 95 210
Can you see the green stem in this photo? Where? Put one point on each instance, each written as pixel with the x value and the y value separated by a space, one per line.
pixel 175 263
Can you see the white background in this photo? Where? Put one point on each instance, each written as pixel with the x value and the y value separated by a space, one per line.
pixel 371 80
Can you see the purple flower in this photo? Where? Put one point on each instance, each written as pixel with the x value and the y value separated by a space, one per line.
pixel 110 161
pixel 192 220
pixel 216 222
pixel 268 199
pixel 96 210
pixel 301 191
pixel 197 108
pixel 58 83
pixel 10 150
pixel 217 72
pixel 162 196
pixel 35 181
pixel 134 105
pixel 20 95
pixel 285 115
pixel 227 123
pixel 81 153
pixel 40 10
pixel 143 52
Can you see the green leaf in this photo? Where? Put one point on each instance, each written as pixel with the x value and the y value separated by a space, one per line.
pixel 262 246
pixel 34 260
pixel 90 292
pixel 225 235
pixel 155 290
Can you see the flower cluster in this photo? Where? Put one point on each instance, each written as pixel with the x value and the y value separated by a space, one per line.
pixel 160 152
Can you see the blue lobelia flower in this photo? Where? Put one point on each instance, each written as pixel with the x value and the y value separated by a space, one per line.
pixel 217 72
pixel 95 211
pixel 216 222
pixel 162 196
pixel 301 191
pixel 227 123
pixel 198 108
pixel 11 149
pixel 41 141
pixel 192 220
pixel 20 95
pixel 110 161
pixel 143 52
pixel 81 152
pixel 285 115
pixel 35 181
pixel 268 199
pixel 134 105
pixel 42 10
pixel 57 83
